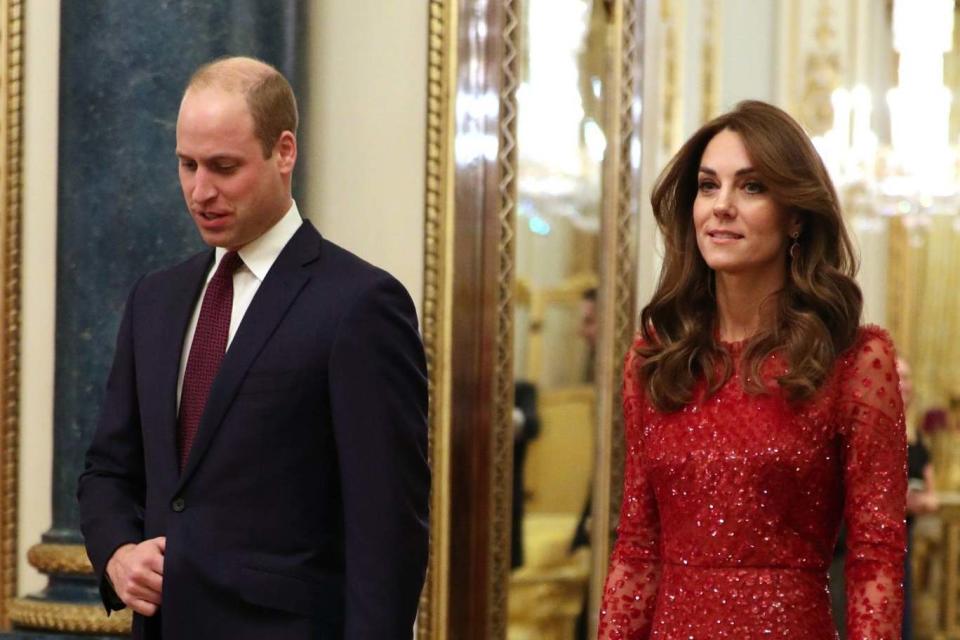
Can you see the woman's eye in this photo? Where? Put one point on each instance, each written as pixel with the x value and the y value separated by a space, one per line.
pixel 706 185
pixel 754 187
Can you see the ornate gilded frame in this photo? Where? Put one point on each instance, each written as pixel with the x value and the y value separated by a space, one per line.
pixel 468 301
pixel 618 278
pixel 437 286
pixel 11 97
pixel 468 267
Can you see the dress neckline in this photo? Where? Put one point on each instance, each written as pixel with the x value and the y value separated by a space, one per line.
pixel 734 346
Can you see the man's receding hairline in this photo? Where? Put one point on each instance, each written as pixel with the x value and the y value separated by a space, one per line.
pixel 238 74
pixel 267 93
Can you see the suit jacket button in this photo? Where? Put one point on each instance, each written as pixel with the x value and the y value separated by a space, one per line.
pixel 178 504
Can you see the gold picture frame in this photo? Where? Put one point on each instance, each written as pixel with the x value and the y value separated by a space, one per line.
pixel 11 96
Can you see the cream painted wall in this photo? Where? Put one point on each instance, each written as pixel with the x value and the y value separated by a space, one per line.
pixel 367 131
pixel 41 60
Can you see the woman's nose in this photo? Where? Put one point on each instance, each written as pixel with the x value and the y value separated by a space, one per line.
pixel 723 206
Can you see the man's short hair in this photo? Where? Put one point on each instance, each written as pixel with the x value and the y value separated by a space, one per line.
pixel 268 94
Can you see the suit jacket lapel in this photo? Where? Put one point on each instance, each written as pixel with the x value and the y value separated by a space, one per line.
pixel 277 292
pixel 177 302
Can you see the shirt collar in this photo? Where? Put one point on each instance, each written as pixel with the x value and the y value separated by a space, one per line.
pixel 259 255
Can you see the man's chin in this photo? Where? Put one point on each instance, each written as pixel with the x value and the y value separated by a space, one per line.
pixel 221 241
pixel 216 240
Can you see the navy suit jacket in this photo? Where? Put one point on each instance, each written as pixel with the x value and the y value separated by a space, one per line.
pixel 302 511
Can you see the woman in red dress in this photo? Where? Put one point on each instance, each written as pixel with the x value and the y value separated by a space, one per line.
pixel 759 412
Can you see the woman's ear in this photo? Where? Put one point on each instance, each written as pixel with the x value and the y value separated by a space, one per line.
pixel 796 223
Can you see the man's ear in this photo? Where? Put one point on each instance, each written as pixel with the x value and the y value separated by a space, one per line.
pixel 286 152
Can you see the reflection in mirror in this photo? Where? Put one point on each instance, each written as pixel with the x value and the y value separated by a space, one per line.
pixel 877 85
pixel 561 142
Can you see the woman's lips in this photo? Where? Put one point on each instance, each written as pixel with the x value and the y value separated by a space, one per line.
pixel 724 236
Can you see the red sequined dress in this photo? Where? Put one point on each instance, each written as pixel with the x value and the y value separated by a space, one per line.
pixel 732 506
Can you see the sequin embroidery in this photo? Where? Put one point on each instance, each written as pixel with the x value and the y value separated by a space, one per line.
pixel 733 504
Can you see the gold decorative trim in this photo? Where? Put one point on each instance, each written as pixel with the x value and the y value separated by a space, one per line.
pixel 437 286
pixel 502 432
pixel 624 258
pixel 617 286
pixel 11 68
pixel 70 618
pixel 711 60
pixel 897 282
pixel 60 558
pixel 822 73
pixel 672 73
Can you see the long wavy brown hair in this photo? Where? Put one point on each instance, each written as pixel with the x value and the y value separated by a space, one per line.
pixel 817 313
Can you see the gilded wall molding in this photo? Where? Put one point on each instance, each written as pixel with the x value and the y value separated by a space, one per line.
pixel 473 75
pixel 441 51
pixel 502 432
pixel 897 283
pixel 821 73
pixel 671 131
pixel 792 27
pixel 624 259
pixel 11 68
pixel 68 618
pixel 711 60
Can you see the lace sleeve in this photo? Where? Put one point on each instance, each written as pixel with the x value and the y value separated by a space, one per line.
pixel 634 575
pixel 875 479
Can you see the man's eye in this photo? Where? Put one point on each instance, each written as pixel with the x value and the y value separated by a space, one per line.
pixel 189 165
pixel 225 168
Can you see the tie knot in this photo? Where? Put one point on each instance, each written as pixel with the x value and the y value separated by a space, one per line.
pixel 230 262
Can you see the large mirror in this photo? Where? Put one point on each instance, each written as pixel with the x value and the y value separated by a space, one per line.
pixel 533 158
pixel 561 144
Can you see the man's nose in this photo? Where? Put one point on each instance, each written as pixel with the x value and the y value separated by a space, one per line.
pixel 204 189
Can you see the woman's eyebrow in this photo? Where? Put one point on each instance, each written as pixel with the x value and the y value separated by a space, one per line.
pixel 740 172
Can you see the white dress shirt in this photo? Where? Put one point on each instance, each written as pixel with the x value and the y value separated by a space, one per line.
pixel 258 257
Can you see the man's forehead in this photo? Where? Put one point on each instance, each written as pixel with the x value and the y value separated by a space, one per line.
pixel 210 102
pixel 214 113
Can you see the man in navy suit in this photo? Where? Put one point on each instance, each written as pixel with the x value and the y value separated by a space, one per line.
pixel 259 470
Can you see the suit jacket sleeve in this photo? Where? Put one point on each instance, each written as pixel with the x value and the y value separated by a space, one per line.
pixel 111 487
pixel 378 391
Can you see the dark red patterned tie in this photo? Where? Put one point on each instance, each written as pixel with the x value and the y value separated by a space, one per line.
pixel 206 351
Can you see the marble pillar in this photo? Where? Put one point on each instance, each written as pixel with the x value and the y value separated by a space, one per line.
pixel 123 66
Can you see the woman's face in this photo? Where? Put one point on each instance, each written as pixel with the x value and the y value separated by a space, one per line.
pixel 739 227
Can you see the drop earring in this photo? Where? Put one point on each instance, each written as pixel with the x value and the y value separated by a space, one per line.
pixel 795 247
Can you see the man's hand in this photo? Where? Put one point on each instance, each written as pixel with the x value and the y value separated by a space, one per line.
pixel 136 573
